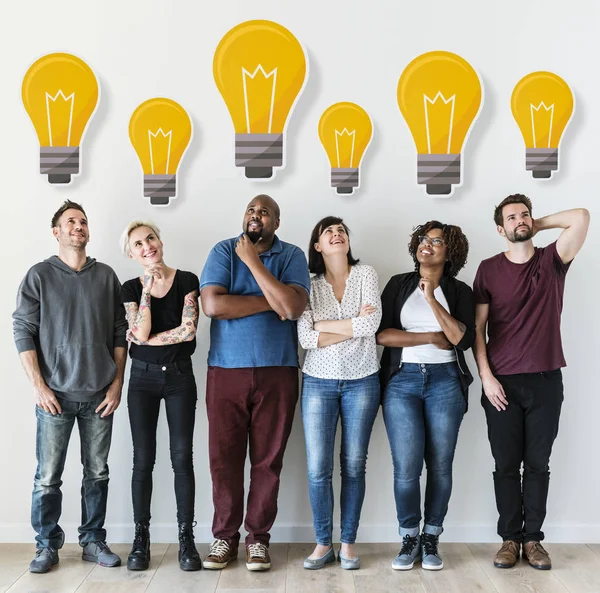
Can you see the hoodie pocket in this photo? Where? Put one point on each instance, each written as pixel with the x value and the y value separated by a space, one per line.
pixel 81 368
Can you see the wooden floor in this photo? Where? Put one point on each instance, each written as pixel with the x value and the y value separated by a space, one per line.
pixel 467 567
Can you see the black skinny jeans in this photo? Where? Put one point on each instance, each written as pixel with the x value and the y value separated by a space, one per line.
pixel 148 384
pixel 524 434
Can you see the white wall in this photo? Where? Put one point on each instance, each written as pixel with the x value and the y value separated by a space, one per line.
pixel 357 51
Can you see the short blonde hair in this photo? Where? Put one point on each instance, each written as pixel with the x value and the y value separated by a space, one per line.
pixel 135 224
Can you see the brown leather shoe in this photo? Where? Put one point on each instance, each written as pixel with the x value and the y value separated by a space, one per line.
pixel 537 557
pixel 257 557
pixel 507 555
pixel 220 554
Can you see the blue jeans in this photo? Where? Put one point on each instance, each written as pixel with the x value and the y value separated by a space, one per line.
pixel 52 441
pixel 423 407
pixel 324 401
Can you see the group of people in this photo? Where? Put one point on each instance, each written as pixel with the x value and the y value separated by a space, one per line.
pixel 74 324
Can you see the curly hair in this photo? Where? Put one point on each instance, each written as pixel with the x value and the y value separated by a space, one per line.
pixel 456 243
pixel 512 199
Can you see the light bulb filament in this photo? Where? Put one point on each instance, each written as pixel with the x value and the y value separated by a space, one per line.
pixel 438 117
pixel 541 124
pixel 339 139
pixel 51 101
pixel 160 147
pixel 245 75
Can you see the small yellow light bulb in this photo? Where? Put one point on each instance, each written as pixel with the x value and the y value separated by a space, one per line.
pixel 439 95
pixel 259 68
pixel 542 104
pixel 345 130
pixel 160 131
pixel 60 94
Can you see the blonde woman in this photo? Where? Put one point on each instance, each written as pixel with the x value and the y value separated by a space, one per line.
pixel 162 312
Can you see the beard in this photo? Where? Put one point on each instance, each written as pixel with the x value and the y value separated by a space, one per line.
pixel 517 236
pixel 254 236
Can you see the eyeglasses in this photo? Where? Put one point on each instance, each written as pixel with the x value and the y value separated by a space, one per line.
pixel 436 241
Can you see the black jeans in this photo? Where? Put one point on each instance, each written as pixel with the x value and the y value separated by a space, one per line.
pixel 148 384
pixel 524 434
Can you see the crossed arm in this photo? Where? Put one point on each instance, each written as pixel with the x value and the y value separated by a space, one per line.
pixel 182 333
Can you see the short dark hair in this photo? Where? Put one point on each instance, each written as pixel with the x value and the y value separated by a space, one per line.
pixel 316 263
pixel 67 205
pixel 512 199
pixel 456 243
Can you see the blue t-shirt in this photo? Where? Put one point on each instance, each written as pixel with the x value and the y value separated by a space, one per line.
pixel 259 340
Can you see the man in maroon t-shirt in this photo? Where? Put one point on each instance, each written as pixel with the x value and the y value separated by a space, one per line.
pixel 519 297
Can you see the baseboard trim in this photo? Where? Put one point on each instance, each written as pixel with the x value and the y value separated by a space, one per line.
pixel 167 533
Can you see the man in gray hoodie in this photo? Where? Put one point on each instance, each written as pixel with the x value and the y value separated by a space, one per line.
pixel 69 328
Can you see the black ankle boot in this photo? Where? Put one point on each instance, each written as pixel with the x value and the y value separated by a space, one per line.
pixel 189 559
pixel 139 557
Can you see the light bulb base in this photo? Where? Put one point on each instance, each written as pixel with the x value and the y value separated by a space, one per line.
pixel 438 172
pixel 541 162
pixel 259 154
pixel 59 163
pixel 344 179
pixel 159 188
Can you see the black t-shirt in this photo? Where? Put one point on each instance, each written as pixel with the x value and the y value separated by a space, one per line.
pixel 166 314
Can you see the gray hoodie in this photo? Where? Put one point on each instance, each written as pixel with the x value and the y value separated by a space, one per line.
pixel 73 320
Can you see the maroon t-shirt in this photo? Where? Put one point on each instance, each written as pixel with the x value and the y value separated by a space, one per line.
pixel 525 302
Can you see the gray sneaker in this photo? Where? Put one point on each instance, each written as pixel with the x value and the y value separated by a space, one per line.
pixel 45 559
pixel 408 554
pixel 429 551
pixel 101 554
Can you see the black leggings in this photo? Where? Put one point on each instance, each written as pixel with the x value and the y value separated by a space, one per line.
pixel 148 384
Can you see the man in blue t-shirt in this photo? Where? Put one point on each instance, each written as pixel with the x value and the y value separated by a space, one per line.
pixel 253 287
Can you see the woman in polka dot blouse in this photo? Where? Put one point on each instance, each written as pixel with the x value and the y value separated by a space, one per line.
pixel 340 380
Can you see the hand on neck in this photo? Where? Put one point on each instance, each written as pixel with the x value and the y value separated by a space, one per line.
pixel 433 273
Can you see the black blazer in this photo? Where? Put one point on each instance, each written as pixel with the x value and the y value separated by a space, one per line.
pixel 462 307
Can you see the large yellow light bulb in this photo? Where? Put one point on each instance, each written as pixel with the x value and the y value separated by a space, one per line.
pixel 60 94
pixel 160 131
pixel 542 104
pixel 259 68
pixel 439 95
pixel 345 130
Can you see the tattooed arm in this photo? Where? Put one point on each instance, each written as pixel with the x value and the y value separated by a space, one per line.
pixel 183 333
pixel 139 317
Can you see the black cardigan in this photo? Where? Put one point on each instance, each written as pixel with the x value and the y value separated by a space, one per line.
pixel 462 307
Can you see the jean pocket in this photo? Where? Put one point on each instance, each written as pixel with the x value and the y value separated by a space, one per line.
pixel 185 367
pixel 452 370
pixel 554 376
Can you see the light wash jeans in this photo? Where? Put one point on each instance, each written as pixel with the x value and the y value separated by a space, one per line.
pixel 423 407
pixel 52 441
pixel 355 402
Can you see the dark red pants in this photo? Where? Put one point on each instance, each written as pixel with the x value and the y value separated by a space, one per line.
pixel 254 405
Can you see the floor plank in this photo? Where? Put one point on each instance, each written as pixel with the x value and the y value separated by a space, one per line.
pixel 236 576
pixel 119 579
pixel 594 548
pixel 169 577
pixel 461 573
pixel 521 578
pixel 330 579
pixel 575 566
pixel 376 574
pixel 65 577
pixel 14 563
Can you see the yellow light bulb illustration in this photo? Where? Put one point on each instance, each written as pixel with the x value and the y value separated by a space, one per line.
pixel 345 130
pixel 160 131
pixel 259 68
pixel 439 95
pixel 60 94
pixel 542 104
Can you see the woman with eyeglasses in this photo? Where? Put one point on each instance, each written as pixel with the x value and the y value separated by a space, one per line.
pixel 428 323
pixel 340 381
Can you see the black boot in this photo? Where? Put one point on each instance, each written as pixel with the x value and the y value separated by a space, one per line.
pixel 189 559
pixel 139 557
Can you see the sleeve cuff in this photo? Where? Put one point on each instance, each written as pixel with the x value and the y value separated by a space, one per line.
pixel 25 344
